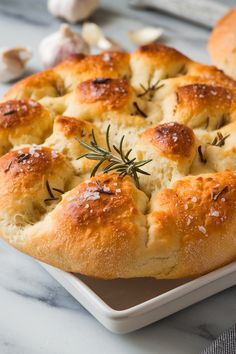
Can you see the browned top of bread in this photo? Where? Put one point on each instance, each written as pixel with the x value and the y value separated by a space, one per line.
pixel 36 159
pixel 222 43
pixel 111 93
pixel 18 112
pixel 176 219
pixel 161 53
pixel 172 139
pixel 198 208
pixel 71 127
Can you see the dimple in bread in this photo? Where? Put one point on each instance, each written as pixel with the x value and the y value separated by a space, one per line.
pixel 177 113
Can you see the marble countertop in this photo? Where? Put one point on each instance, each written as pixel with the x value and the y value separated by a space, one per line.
pixel 37 316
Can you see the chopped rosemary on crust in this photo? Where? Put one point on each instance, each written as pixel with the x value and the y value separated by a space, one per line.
pixel 219 140
pixel 8 113
pixel 150 90
pixel 8 167
pixel 23 157
pixel 177 97
pixel 207 122
pixel 19 159
pixel 51 194
pixel 102 189
pixel 223 121
pixel 215 196
pixel 119 162
pixel 101 80
pixel 139 111
pixel 202 157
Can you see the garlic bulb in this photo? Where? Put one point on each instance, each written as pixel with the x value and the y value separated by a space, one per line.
pixel 13 62
pixel 60 45
pixel 94 36
pixel 72 10
pixel 145 35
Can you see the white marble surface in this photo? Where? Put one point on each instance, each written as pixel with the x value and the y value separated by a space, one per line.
pixel 37 316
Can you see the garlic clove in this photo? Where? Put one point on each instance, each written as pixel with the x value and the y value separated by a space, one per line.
pixel 106 43
pixel 13 62
pixel 145 35
pixel 94 36
pixel 91 33
pixel 60 45
pixel 72 10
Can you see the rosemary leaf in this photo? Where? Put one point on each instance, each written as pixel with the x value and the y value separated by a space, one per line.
pixel 94 171
pixel 8 167
pixel 202 157
pixel 58 190
pixel 50 192
pixel 8 113
pixel 49 189
pixel 216 196
pixel 150 90
pixel 219 140
pixel 121 163
pixel 108 137
pixel 143 114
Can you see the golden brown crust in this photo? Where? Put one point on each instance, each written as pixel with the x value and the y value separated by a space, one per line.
pixel 18 119
pixel 201 211
pixel 29 172
pixel 79 68
pixel 206 94
pixel 221 45
pixel 104 222
pixel 180 223
pixel 14 113
pixel 155 62
pixel 113 93
pixel 71 127
pixel 201 104
pixel 97 98
pixel 174 140
pixel 34 159
pixel 197 97
pixel 46 83
pixel 161 53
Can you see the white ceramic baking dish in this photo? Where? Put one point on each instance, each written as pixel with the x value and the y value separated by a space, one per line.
pixel 125 305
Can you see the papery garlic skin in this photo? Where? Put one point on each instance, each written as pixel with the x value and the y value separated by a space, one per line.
pixel 13 63
pixel 72 10
pixel 60 45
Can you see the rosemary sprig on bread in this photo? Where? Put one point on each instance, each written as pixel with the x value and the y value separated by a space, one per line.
pixel 119 162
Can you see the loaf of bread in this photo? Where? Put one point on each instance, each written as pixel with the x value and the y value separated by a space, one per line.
pixel 178 116
pixel 222 43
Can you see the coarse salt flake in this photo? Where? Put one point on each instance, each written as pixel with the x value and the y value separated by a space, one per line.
pixel 90 195
pixel 202 229
pixel 54 154
pixel 106 57
pixel 214 212
pixel 189 221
